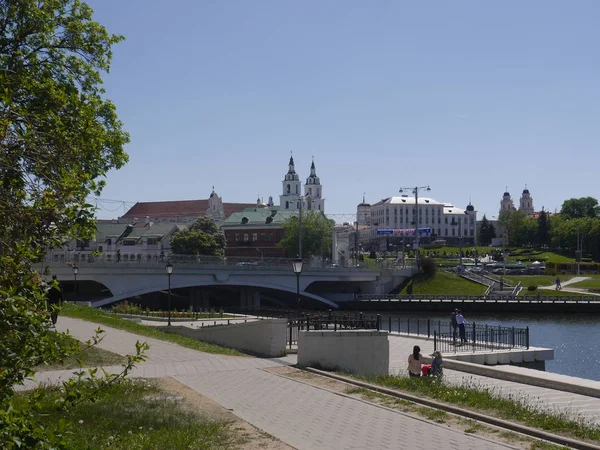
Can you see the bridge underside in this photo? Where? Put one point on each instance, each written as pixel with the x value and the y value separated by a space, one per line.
pixel 214 296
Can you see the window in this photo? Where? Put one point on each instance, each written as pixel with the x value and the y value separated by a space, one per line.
pixel 446 232
pixel 287 204
pixel 446 220
pixel 263 236
pixel 254 237
pixel 100 248
pixel 152 241
pixel 237 237
pixel 453 232
pixel 270 237
pixel 288 188
pixel 245 237
pixel 129 242
pixel 297 189
pixel 439 220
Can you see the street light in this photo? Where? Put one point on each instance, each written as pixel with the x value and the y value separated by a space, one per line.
pixel 169 269
pixel 75 272
pixel 415 191
pixel 297 265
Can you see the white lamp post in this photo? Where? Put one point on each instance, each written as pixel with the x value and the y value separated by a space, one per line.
pixel 297 266
pixel 169 269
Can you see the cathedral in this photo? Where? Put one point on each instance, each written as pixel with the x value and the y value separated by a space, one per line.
pixel 525 203
pixel 292 199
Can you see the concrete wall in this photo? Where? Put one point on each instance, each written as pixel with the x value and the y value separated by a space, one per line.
pixel 360 352
pixel 261 337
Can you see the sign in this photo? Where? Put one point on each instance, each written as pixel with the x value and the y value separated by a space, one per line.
pixel 402 232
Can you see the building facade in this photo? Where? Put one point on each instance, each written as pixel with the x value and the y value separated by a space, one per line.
pixel 292 199
pixel 525 203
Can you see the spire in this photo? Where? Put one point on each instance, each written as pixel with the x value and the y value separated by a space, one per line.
pixel 291 169
pixel 313 172
pixel 364 197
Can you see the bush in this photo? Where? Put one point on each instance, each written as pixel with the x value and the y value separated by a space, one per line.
pixel 532 287
pixel 428 267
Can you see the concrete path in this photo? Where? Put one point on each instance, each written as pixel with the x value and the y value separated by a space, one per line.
pixel 301 415
pixel 566 283
pixel 558 401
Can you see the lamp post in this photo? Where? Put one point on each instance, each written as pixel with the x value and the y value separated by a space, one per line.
pixel 297 265
pixel 474 251
pixel 504 233
pixel 169 269
pixel 415 191
pixel 75 272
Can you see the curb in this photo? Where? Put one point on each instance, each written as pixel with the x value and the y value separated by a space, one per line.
pixel 560 440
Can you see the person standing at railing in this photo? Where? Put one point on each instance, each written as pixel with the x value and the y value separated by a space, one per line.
pixel 461 326
pixel 454 324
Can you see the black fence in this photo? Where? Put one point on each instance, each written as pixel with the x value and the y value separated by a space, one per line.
pixel 330 322
pixel 481 338
pixel 491 298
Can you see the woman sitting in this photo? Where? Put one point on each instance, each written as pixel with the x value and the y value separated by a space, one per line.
pixel 436 364
pixel 414 362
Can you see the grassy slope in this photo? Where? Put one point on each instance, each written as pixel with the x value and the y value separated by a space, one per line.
pixel 111 320
pixel 90 357
pixel 132 415
pixel 592 283
pixel 446 283
pixel 538 280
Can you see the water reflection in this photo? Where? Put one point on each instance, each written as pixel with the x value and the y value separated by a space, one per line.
pixel 575 338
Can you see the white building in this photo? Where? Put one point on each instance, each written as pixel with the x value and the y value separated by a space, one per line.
pixel 397 215
pixel 292 191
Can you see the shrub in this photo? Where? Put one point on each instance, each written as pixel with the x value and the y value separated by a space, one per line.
pixel 532 287
pixel 428 267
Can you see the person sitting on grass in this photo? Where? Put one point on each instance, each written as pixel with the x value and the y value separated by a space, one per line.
pixel 436 364
pixel 414 362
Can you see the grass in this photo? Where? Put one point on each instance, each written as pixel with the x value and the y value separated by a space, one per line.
pixel 485 400
pixel 447 284
pixel 538 280
pixel 89 357
pixel 134 415
pixel 111 320
pixel 592 283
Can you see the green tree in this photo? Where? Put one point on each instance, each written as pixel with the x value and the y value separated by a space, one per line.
pixel 580 207
pixel 486 231
pixel 317 233
pixel 203 237
pixel 543 234
pixel 512 223
pixel 58 136
pixel 526 232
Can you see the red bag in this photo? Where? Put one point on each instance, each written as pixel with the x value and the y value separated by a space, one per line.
pixel 426 369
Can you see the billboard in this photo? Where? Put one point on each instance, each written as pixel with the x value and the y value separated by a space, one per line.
pixel 402 232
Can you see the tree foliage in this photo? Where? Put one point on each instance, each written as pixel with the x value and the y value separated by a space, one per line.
pixel 58 136
pixel 487 232
pixel 576 208
pixel 317 233
pixel 203 237
pixel 543 231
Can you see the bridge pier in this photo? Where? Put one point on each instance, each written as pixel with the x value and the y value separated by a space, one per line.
pixel 249 299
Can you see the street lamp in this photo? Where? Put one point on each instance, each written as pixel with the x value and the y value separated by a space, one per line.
pixel 169 269
pixel 415 191
pixel 297 265
pixel 75 272
pixel 459 240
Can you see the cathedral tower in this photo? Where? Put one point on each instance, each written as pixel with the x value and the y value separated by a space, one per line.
pixel 290 197
pixel 506 204
pixel 526 202
pixel 313 191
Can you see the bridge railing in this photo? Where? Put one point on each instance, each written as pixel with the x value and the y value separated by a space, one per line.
pixel 239 263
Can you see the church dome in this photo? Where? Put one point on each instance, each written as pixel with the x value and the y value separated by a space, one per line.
pixel 470 208
pixel 506 194
pixel 525 191
pixel 262 205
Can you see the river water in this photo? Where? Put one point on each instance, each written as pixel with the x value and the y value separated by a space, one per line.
pixel 575 338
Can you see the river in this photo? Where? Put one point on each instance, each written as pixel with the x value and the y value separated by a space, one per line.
pixel 575 338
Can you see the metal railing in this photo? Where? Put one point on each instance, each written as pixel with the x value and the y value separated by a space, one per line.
pixel 517 289
pixel 481 338
pixel 332 323
pixel 457 298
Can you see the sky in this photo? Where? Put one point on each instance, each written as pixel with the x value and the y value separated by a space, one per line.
pixel 468 97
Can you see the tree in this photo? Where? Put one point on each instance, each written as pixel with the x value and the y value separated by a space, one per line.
pixel 580 207
pixel 58 136
pixel 316 235
pixel 203 237
pixel 486 231
pixel 543 233
pixel 512 223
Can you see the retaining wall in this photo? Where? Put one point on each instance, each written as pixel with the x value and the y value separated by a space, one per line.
pixel 360 352
pixel 261 337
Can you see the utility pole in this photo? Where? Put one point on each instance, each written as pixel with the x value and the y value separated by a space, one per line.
pixel 416 190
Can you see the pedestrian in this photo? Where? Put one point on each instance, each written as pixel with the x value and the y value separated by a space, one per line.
pixel 162 255
pixel 454 324
pixel 501 283
pixel 461 326
pixel 54 298
pixel 414 362
pixel 118 255
pixel 558 286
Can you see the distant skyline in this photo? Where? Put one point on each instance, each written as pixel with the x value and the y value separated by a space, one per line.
pixel 468 97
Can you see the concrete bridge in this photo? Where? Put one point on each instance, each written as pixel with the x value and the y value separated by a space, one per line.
pixel 319 286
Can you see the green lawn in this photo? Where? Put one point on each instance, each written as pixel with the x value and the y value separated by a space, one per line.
pixel 135 415
pixel 89 357
pixel 112 320
pixel 447 284
pixel 550 292
pixel 592 283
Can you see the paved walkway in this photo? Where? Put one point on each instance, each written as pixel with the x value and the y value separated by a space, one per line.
pixel 568 289
pixel 550 399
pixel 303 416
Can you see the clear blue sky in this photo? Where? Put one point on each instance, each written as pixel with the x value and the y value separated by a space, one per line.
pixel 466 96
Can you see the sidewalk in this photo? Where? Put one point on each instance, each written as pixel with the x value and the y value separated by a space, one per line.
pixel 303 416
